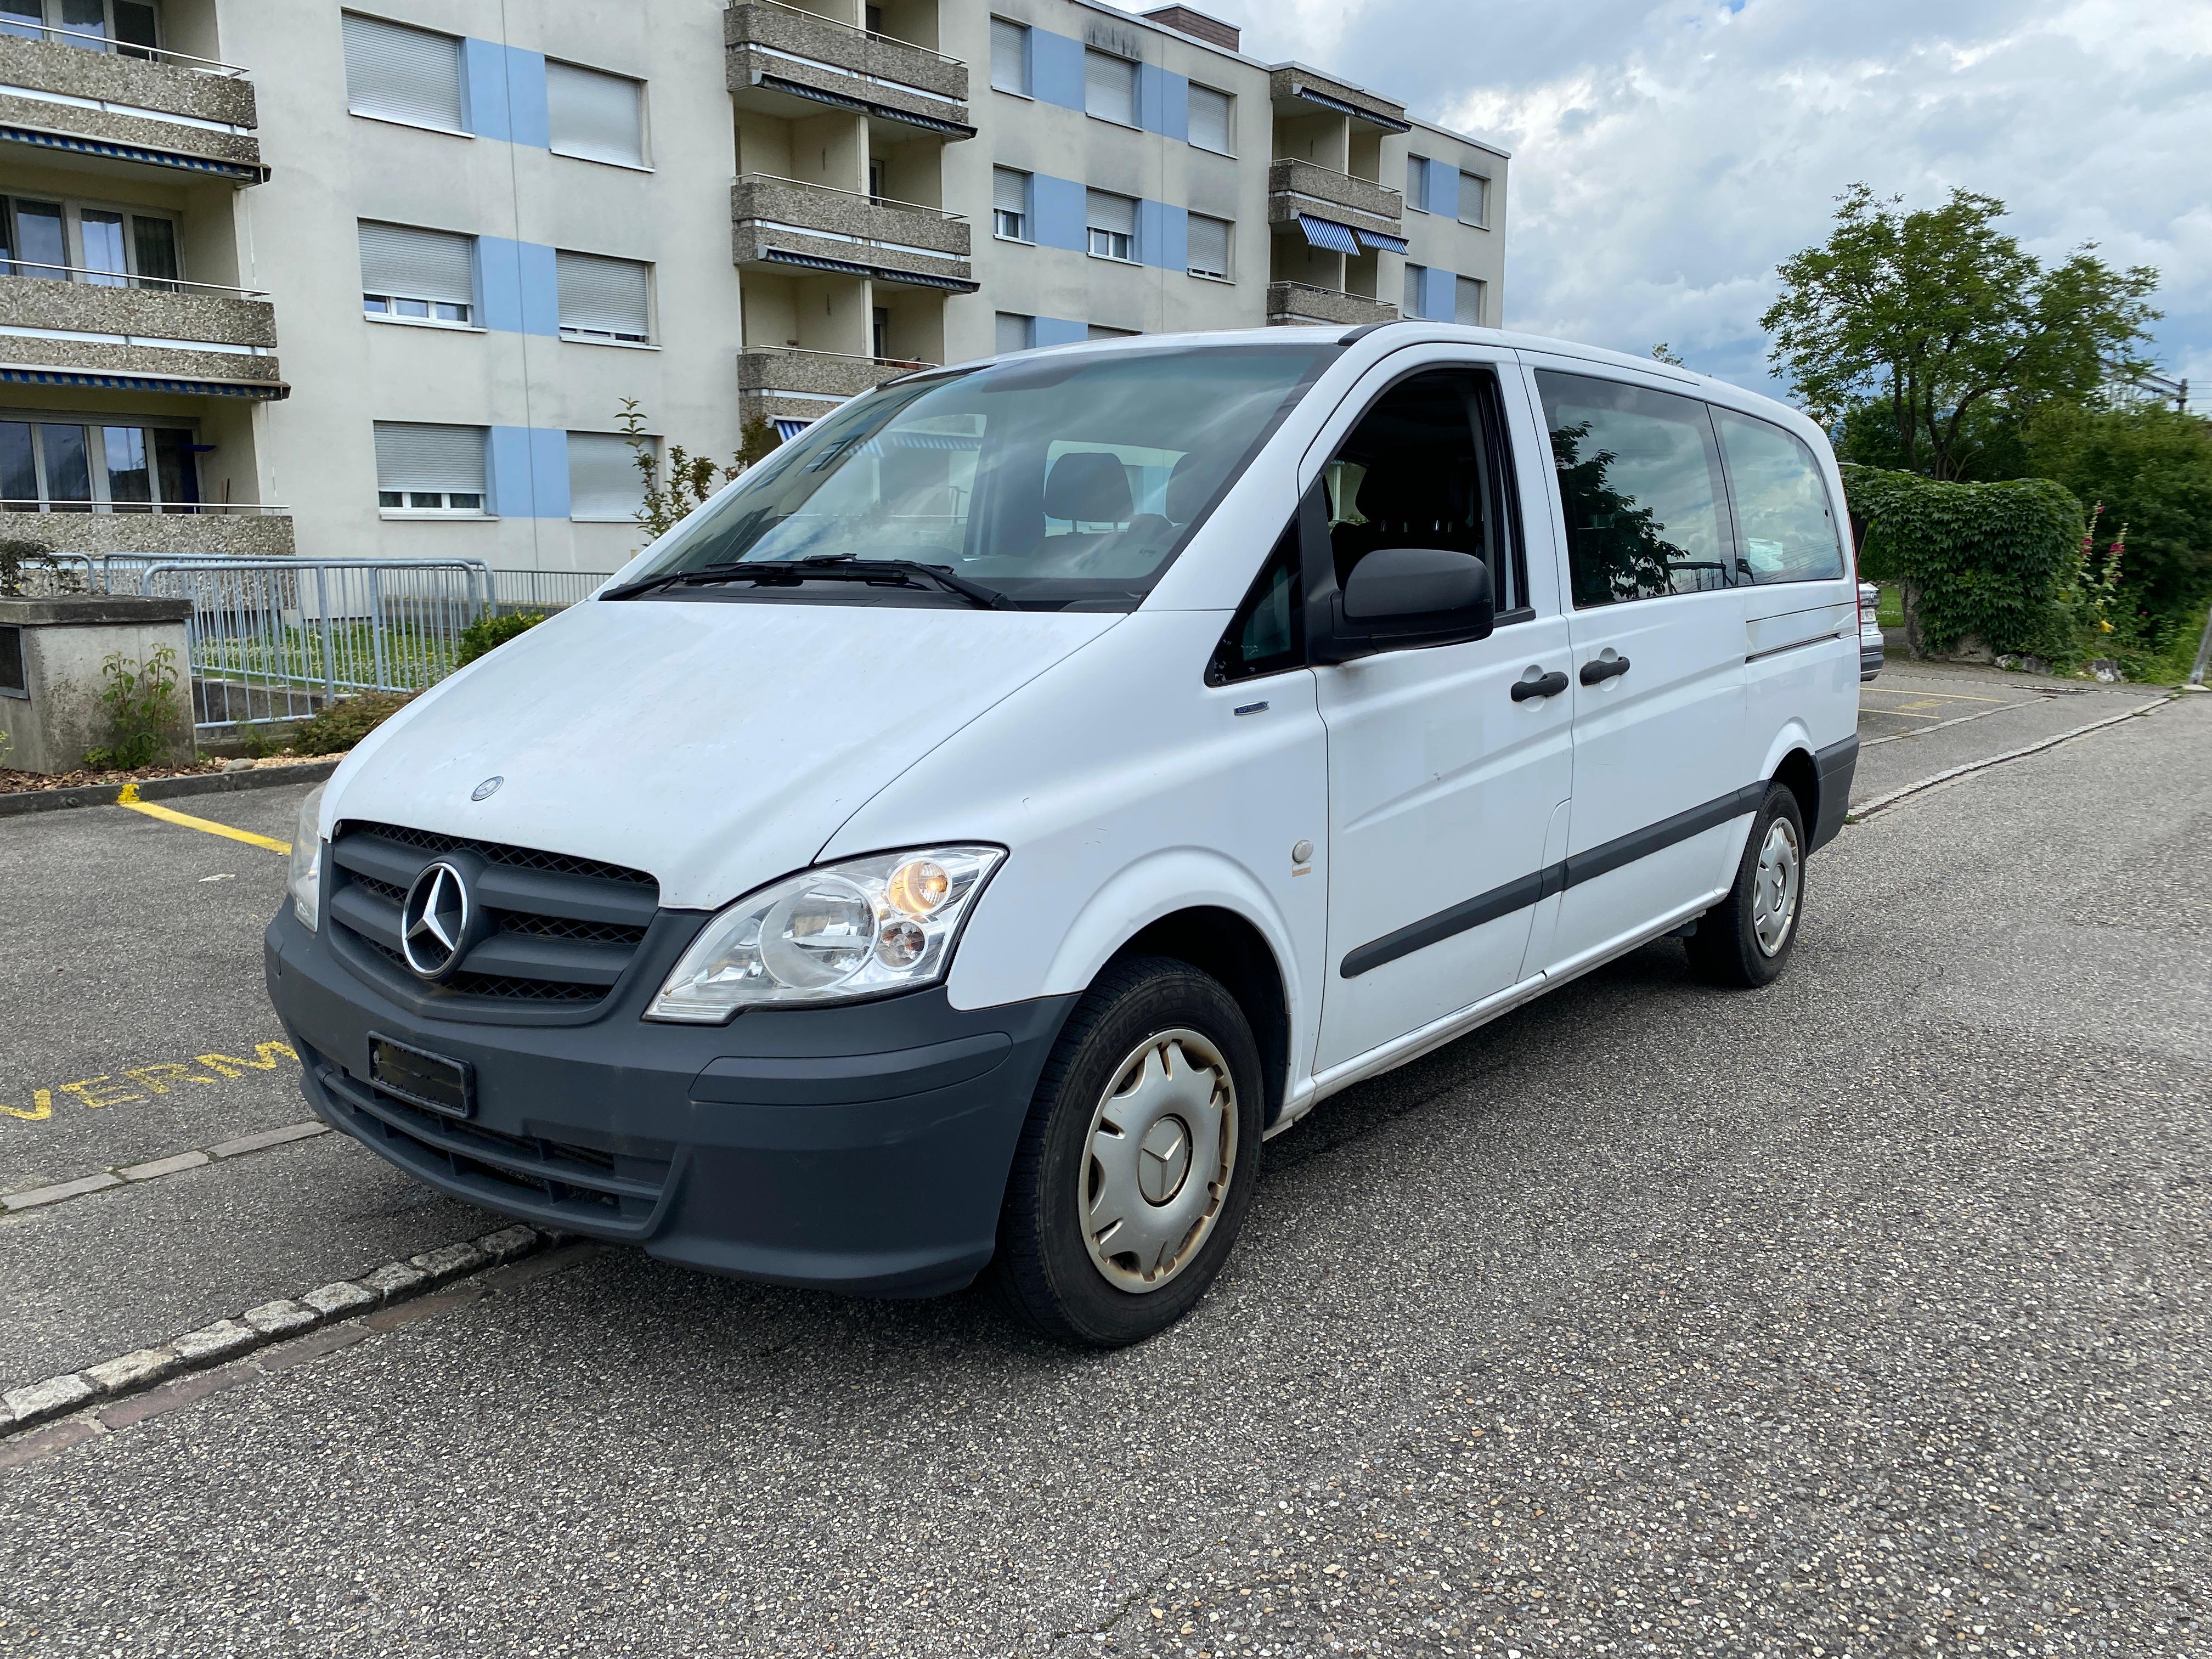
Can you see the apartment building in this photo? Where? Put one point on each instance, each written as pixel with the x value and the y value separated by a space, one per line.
pixel 381 282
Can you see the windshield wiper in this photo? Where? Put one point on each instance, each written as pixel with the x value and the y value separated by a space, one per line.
pixel 820 566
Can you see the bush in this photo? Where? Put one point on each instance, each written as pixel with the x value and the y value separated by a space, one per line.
pixel 143 718
pixel 489 633
pixel 342 725
pixel 1998 562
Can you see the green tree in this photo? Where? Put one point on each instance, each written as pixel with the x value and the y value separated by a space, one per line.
pixel 691 478
pixel 2151 469
pixel 1942 317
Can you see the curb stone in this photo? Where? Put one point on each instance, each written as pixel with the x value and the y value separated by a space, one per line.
pixel 271 1322
pixel 19 803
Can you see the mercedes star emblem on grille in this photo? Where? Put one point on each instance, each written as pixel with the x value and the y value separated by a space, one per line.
pixel 433 924
pixel 486 789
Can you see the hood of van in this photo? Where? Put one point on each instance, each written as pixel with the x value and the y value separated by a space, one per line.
pixel 716 746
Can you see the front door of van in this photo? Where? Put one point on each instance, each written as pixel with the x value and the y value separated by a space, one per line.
pixel 1443 783
pixel 1657 626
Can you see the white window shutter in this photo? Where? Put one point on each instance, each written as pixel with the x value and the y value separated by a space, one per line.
pixel 1209 246
pixel 599 295
pixel 1010 56
pixel 1106 211
pixel 1109 88
pixel 604 482
pixel 1466 300
pixel 417 264
pixel 1414 275
pixel 403 74
pixel 409 456
pixel 1209 119
pixel 1015 332
pixel 1010 190
pixel 596 115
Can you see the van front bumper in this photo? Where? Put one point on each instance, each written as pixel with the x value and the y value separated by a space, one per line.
pixel 862 1148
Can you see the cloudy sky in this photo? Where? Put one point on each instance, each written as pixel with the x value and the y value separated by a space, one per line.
pixel 1667 153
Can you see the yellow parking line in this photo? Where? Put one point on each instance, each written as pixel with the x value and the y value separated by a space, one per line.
pixel 129 797
pixel 1947 696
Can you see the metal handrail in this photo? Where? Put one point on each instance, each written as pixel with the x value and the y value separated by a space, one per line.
pixel 865 196
pixel 1316 288
pixel 126 278
pixel 854 28
pixel 847 356
pixel 21 26
pixel 1299 161
pixel 180 509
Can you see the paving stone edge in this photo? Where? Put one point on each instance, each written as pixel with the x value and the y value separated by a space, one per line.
pixel 226 1340
pixel 17 803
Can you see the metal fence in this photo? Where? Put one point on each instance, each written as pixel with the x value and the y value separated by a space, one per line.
pixel 517 591
pixel 278 638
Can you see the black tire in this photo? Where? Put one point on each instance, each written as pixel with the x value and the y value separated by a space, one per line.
pixel 1726 948
pixel 1043 1271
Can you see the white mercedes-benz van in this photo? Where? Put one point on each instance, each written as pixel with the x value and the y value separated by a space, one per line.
pixel 960 842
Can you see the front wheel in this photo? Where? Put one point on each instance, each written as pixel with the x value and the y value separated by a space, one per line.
pixel 1746 939
pixel 1135 1167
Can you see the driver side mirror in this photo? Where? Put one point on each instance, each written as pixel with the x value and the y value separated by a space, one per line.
pixel 1401 598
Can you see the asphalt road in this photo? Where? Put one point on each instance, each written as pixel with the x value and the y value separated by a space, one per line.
pixel 1866 1315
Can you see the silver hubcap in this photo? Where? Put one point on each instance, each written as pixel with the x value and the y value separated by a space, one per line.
pixel 1774 888
pixel 1161 1144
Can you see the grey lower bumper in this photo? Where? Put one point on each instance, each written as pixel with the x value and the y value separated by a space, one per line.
pixel 861 1148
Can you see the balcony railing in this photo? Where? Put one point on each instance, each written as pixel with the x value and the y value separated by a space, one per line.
pixel 128 107
pixel 85 38
pixel 1293 179
pixel 800 383
pixel 893 202
pixel 1295 302
pixel 94 279
pixel 783 58
pixel 813 16
pixel 790 223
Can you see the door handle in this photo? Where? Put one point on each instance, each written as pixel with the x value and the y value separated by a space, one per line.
pixel 1598 669
pixel 1548 686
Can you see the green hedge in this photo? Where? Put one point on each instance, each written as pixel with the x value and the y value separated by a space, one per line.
pixel 2000 562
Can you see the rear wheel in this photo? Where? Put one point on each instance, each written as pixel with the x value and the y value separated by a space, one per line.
pixel 1746 939
pixel 1135 1167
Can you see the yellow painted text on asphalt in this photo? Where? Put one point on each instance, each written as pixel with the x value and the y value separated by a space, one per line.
pixel 139 1082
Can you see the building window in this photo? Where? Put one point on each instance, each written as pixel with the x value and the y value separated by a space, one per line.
pixel 1010 204
pixel 77 242
pixel 594 116
pixel 430 471
pixel 1416 276
pixel 605 485
pixel 603 299
pixel 127 26
pixel 1474 200
pixel 1466 300
pixel 1209 246
pixel 1015 332
pixel 410 275
pixel 398 74
pixel 1417 183
pixel 1213 120
pixel 1109 88
pixel 1112 222
pixel 74 466
pixel 1010 57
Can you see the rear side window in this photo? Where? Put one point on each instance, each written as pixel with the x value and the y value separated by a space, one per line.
pixel 1639 478
pixel 1786 530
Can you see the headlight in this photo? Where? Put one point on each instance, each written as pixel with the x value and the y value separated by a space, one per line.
pixel 308 859
pixel 836 933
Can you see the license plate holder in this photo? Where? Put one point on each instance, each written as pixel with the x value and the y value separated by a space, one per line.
pixel 437 1083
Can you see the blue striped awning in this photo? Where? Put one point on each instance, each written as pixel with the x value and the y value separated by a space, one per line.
pixel 18 375
pixel 1382 242
pixel 1327 233
pixel 244 172
pixel 865 106
pixel 787 429
pixel 881 273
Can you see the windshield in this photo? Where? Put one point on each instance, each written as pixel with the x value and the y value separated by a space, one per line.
pixel 1053 481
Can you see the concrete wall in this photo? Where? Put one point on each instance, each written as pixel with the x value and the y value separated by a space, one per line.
pixel 66 643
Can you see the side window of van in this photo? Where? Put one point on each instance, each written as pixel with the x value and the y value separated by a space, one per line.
pixel 1267 634
pixel 1424 467
pixel 1787 529
pixel 1639 476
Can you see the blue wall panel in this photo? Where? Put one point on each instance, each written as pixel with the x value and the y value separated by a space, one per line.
pixel 1163 102
pixel 519 293
pixel 529 468
pixel 483 77
pixel 1057 206
pixel 1162 234
pixel 549 474
pixel 527 122
pixel 541 290
pixel 1437 291
pixel 1056 68
pixel 1444 191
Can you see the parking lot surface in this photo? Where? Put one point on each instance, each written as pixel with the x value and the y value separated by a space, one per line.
pixel 1866 1315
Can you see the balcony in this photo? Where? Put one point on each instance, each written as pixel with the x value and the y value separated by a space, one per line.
pixel 1296 90
pixel 788 227
pixel 130 109
pixel 1302 304
pixel 1296 189
pixel 788 61
pixel 788 383
pixel 78 328
pixel 140 532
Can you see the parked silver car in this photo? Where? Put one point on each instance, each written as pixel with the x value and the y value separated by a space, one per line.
pixel 1869 632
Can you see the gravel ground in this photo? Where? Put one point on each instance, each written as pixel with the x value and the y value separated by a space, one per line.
pixel 1863 1315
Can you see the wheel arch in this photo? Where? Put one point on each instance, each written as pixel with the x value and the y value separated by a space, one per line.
pixel 1226 946
pixel 1789 761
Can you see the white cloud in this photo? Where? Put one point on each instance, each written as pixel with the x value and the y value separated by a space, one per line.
pixel 1668 155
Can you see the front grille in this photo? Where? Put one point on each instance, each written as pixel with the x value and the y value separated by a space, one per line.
pixel 616 1191
pixel 560 930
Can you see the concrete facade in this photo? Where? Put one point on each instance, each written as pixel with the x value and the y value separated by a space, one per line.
pixel 62 645
pixel 811 201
